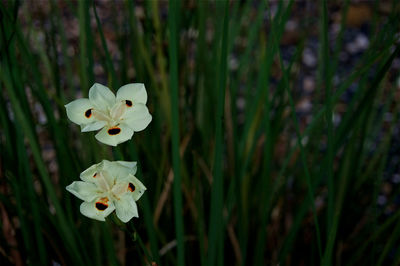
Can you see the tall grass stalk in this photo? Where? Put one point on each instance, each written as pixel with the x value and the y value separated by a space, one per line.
pixel 216 229
pixel 173 52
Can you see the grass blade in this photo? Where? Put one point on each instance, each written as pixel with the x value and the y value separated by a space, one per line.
pixel 114 82
pixel 216 219
pixel 173 54
pixel 302 152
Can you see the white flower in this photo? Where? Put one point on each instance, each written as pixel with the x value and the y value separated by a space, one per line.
pixel 109 186
pixel 118 116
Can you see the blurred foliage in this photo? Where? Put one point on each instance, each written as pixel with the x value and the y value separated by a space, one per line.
pixel 281 129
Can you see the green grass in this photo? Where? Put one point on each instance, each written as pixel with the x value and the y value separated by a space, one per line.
pixel 235 174
pixel 216 229
pixel 173 25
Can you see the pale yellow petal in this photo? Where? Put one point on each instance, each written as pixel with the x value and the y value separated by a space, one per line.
pixel 134 92
pixel 89 174
pixel 93 126
pixel 135 187
pixel 101 97
pixel 137 117
pixel 120 170
pixel 81 112
pixel 97 209
pixel 114 135
pixel 126 208
pixel 131 165
pixel 84 190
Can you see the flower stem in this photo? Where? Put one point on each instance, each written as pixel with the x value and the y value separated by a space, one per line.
pixel 137 237
pixel 130 229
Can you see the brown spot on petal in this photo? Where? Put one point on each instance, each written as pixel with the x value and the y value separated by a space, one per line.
pixel 128 103
pixel 131 187
pixel 114 131
pixel 101 204
pixel 88 113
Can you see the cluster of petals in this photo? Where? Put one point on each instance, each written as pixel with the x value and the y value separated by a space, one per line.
pixel 118 116
pixel 109 186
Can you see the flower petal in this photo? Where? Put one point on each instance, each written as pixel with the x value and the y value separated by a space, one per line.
pixel 104 180
pixel 135 187
pixel 129 185
pixel 101 97
pixel 97 209
pixel 93 126
pixel 137 117
pixel 89 174
pixel 118 110
pixel 114 135
pixel 119 189
pixel 126 208
pixel 84 190
pixel 131 165
pixel 119 170
pixel 134 92
pixel 80 112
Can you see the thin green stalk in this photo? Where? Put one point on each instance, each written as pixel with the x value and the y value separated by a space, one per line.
pixel 148 219
pixel 388 224
pixel 319 116
pixel 377 186
pixel 65 230
pixel 60 30
pixel 110 67
pixel 39 91
pixel 34 208
pixel 244 61
pixel 345 173
pixel 265 177
pixel 201 113
pixel 12 88
pixel 130 229
pixel 396 260
pixel 364 67
pixel 137 237
pixel 96 238
pixel 109 244
pixel 142 53
pixel 390 243
pixel 235 189
pixel 339 39
pixel 83 46
pixel 26 236
pixel 366 100
pixel 161 62
pixel 247 136
pixel 247 143
pixel 324 76
pixel 173 55
pixel 216 239
pixel 302 152
pixel 361 117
